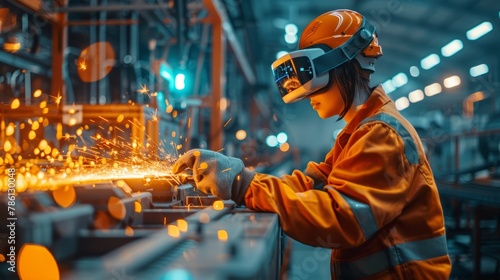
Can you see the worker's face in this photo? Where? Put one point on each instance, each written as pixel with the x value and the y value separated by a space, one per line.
pixel 328 102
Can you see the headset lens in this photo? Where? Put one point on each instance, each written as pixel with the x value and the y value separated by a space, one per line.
pixel 292 74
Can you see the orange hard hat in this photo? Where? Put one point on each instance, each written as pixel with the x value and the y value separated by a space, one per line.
pixel 334 29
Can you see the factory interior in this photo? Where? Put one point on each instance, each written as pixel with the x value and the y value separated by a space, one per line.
pixel 99 98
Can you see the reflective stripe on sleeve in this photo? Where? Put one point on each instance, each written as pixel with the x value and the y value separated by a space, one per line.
pixel 363 214
pixel 393 256
pixel 411 152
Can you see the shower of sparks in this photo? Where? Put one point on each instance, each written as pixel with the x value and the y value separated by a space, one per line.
pixel 106 160
pixel 103 153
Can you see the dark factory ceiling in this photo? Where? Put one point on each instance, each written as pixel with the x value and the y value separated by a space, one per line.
pixel 409 31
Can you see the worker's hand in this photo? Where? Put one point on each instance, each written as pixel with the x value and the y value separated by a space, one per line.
pixel 215 173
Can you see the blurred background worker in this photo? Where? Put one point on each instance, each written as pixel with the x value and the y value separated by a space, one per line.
pixel 373 200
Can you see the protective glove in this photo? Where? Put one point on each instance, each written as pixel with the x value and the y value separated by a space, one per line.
pixel 216 174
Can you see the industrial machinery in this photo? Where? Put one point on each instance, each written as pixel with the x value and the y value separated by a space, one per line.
pixel 135 228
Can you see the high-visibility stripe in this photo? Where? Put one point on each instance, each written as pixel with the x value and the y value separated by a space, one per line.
pixel 364 215
pixel 393 256
pixel 410 147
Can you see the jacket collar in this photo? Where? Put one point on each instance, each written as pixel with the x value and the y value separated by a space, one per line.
pixel 375 101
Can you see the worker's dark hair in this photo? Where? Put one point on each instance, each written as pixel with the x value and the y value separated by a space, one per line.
pixel 350 77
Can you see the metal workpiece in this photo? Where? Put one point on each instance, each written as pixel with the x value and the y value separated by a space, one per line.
pixel 123 229
pixel 247 253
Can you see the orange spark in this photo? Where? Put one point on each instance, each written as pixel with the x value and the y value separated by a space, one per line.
pixel 82 65
pixel 143 90
pixel 228 121
pixel 106 120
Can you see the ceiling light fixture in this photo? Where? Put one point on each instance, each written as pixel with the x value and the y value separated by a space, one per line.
pixel 282 137
pixel 291 29
pixel 479 30
pixel 272 141
pixel 452 48
pixel 430 61
pixel 416 96
pixel 433 89
pixel 291 38
pixel 280 54
pixel 402 103
pixel 388 86
pixel 452 81
pixel 399 80
pixel 414 71
pixel 479 70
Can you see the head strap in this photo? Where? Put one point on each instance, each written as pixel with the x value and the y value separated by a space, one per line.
pixel 333 58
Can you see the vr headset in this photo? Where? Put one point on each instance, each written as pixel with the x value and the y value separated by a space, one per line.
pixel 299 74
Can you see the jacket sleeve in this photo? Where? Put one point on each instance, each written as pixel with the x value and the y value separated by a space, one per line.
pixel 314 176
pixel 365 190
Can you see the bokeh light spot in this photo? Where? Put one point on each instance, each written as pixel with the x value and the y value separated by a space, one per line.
pixel 35 261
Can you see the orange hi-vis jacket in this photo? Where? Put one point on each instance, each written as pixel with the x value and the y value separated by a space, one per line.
pixel 373 200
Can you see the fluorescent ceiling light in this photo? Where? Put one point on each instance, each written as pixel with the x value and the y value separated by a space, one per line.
pixel 272 141
pixel 399 80
pixel 290 38
pixel 402 103
pixel 479 31
pixel 388 87
pixel 416 96
pixel 291 29
pixel 282 137
pixel 280 54
pixel 414 71
pixel 430 61
pixel 452 81
pixel 479 70
pixel 452 48
pixel 433 89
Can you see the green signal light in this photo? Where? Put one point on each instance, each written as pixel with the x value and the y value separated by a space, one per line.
pixel 180 81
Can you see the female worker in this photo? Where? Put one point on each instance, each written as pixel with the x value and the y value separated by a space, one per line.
pixel 373 200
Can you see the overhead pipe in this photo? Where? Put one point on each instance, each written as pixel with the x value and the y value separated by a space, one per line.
pixel 111 8
pixel 179 6
pixel 103 83
pixel 219 16
pixel 218 73
pixel 93 72
pixel 222 32
pixel 59 44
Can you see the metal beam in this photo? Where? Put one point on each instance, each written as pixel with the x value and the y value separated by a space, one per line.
pixel 101 22
pixel 111 8
pixel 24 63
pixel 217 9
pixel 218 74
pixel 59 44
